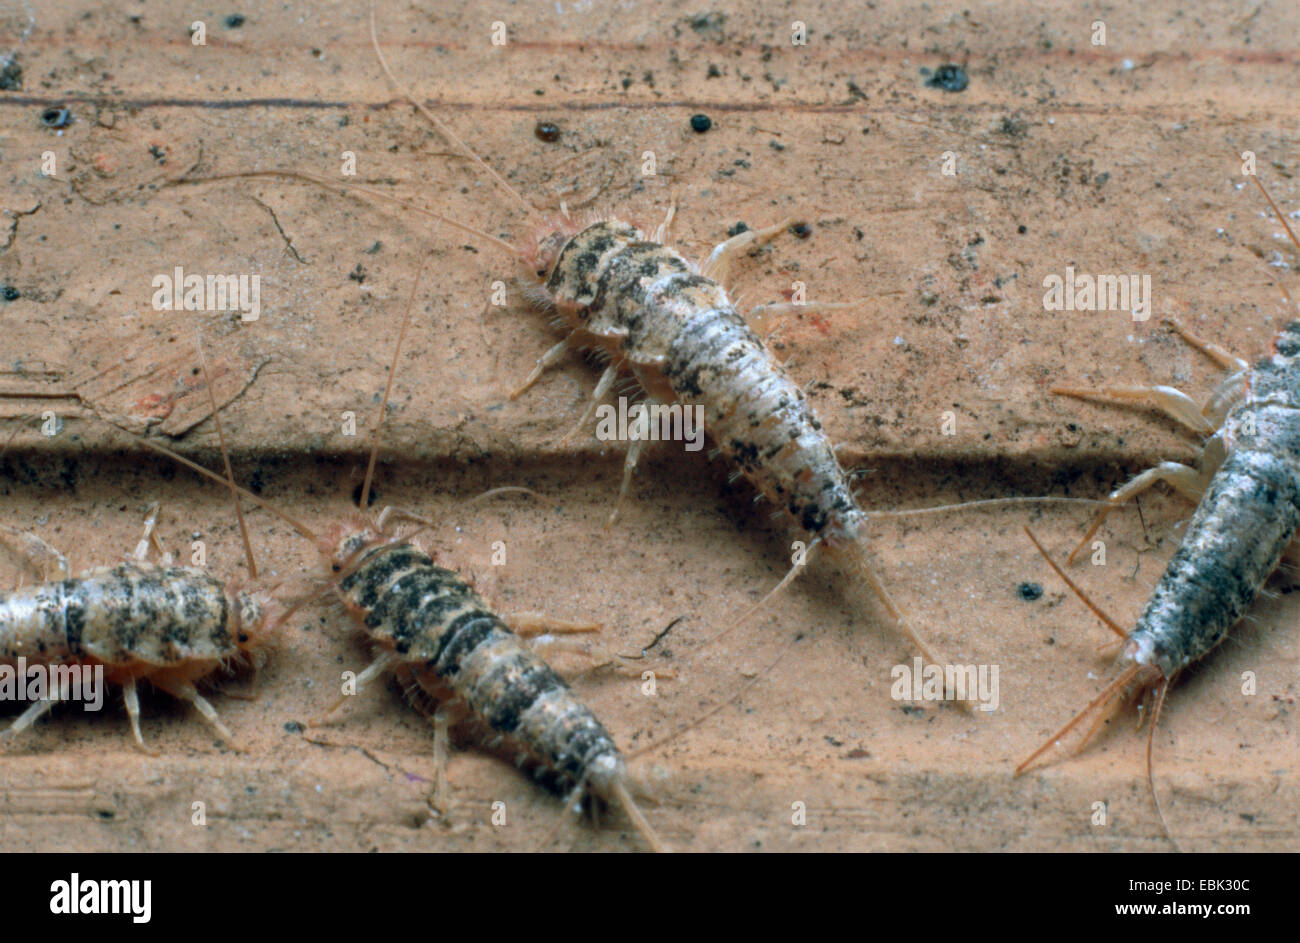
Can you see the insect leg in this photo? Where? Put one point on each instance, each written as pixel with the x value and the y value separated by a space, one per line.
pixel 132 700
pixel 1187 481
pixel 762 319
pixel 603 386
pixel 445 717
pixel 1220 355
pixel 149 538
pixel 35 550
pixel 381 664
pixel 35 712
pixel 185 691
pixel 666 227
pixel 544 363
pixel 629 466
pixel 718 264
pixel 1171 402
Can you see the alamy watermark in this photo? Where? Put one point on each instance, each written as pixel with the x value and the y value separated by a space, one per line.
pixel 181 292
pixel 24 682
pixel 1098 293
pixel 652 422
pixel 921 682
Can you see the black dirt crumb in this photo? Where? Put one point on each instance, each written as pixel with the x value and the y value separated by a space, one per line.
pixel 358 274
pixel 714 72
pixel 737 229
pixel 234 21
pixel 801 230
pixel 56 117
pixel 1022 229
pixel 545 131
pixel 11 76
pixel 950 78
pixel 294 727
pixel 1029 591
pixel 10 293
pixel 701 123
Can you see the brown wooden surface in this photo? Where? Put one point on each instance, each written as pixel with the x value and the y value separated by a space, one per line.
pixel 1117 159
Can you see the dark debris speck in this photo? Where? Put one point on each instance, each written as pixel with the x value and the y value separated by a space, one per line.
pixel 737 229
pixel 11 76
pixel 56 117
pixel 949 77
pixel 10 293
pixel 546 131
pixel 801 230
pixel 701 123
pixel 235 20
pixel 1029 591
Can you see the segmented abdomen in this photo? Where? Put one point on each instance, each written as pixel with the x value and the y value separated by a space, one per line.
pixel 131 613
pixel 1244 522
pixel 453 645
pixel 678 328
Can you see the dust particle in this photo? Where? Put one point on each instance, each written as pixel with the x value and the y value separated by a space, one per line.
pixel 801 230
pixel 11 76
pixel 701 123
pixel 56 117
pixel 1029 591
pixel 950 78
pixel 234 21
pixel 737 229
pixel 545 131
pixel 10 293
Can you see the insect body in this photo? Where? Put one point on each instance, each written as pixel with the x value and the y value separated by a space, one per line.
pixel 432 628
pixel 670 323
pixel 441 639
pixel 1248 511
pixel 136 621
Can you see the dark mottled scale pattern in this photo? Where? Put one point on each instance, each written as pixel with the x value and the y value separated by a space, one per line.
pixel 449 640
pixel 1241 527
pixel 671 321
pixel 131 613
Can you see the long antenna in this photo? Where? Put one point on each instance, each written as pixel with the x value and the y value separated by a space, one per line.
pixel 441 126
pixel 1096 610
pixel 225 455
pixel 388 387
pixel 378 194
pixel 1277 212
pixel 302 529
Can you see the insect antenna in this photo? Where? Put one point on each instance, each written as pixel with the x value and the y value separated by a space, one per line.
pixel 1083 597
pixel 633 811
pixel 1106 702
pixel 1151 780
pixel 718 707
pixel 446 132
pixel 861 563
pixel 302 529
pixel 225 455
pixel 378 194
pixel 388 387
pixel 1281 218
